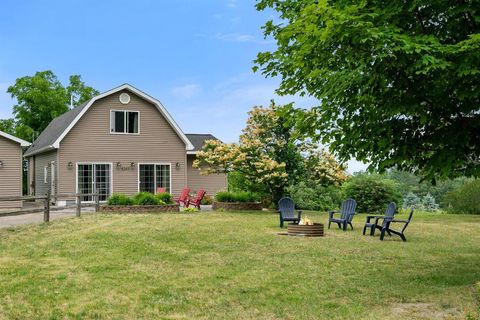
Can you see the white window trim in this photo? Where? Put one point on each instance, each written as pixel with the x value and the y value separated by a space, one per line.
pixel 155 174
pixel 93 163
pixel 125 122
pixel 45 174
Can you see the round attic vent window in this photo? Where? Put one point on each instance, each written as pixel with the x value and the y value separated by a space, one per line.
pixel 124 98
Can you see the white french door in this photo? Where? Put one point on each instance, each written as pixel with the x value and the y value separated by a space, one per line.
pixel 154 176
pixel 93 178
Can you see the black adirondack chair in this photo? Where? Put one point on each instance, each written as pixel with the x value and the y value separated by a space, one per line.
pixel 347 211
pixel 286 209
pixel 387 227
pixel 372 221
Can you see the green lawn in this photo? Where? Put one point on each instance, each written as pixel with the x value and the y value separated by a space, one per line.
pixel 235 266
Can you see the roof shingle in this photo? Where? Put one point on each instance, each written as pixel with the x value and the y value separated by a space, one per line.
pixel 54 130
pixel 198 139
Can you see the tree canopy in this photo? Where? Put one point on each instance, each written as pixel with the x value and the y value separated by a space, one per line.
pixel 41 98
pixel 398 81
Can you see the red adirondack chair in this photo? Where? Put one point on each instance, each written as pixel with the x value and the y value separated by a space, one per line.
pixel 196 201
pixel 183 199
pixel 161 190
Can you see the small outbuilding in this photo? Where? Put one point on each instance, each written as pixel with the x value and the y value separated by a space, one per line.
pixel 11 169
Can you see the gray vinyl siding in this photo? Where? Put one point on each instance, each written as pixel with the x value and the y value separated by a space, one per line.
pixel 90 141
pixel 11 172
pixel 41 161
pixel 212 183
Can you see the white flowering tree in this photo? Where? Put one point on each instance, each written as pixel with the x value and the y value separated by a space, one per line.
pixel 269 155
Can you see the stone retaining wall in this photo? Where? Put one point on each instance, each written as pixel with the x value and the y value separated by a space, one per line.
pixel 233 206
pixel 140 209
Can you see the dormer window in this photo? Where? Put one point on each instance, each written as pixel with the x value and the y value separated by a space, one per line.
pixel 126 122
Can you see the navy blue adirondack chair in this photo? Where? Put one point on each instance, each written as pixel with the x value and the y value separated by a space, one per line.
pixel 347 211
pixel 373 221
pixel 286 209
pixel 386 227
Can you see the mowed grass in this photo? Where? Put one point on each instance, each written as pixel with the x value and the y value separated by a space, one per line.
pixel 235 266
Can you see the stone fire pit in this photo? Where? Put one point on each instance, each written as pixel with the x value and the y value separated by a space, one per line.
pixel 313 230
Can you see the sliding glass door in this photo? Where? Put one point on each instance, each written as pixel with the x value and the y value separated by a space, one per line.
pixel 154 176
pixel 93 178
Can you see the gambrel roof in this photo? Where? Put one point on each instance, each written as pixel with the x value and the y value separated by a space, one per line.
pixel 51 137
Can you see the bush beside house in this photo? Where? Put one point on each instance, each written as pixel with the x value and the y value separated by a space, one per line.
pixel 140 199
pixel 141 202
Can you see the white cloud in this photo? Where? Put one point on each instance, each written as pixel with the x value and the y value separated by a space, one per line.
pixel 232 3
pixel 238 37
pixel 234 37
pixel 222 109
pixel 187 91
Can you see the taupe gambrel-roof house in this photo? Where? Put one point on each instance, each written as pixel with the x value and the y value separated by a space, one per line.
pixel 121 141
pixel 11 168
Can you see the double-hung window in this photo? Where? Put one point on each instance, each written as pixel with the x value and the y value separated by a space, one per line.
pixel 124 121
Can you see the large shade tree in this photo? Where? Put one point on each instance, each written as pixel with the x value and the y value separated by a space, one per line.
pixel 398 81
pixel 41 98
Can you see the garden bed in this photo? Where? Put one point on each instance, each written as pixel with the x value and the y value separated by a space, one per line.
pixel 233 206
pixel 140 208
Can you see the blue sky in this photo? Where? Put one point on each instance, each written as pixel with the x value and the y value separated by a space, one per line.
pixel 195 56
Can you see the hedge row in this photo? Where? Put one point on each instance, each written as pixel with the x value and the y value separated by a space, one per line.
pixel 141 199
pixel 225 196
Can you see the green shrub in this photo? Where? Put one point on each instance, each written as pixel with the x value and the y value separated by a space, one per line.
pixel 411 200
pixel 207 200
pixel 244 196
pixel 145 199
pixel 225 196
pixel 464 199
pixel 118 199
pixel 164 198
pixel 315 197
pixel 429 203
pixel 409 183
pixel 372 192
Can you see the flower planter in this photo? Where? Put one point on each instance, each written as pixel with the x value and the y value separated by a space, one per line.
pixel 234 206
pixel 140 209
